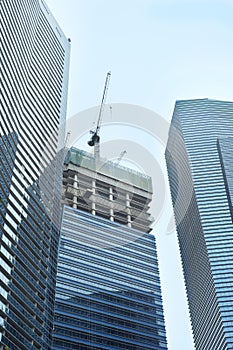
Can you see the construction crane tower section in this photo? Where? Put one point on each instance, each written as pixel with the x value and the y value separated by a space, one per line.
pixel 95 138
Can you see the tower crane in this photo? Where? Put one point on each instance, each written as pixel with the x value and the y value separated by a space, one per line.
pixel 120 157
pixel 67 138
pixel 95 138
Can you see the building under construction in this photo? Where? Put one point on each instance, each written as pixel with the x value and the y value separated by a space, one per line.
pixel 107 189
pixel 108 292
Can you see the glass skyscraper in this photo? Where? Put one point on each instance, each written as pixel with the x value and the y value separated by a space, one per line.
pixel 199 161
pixel 108 287
pixel 33 78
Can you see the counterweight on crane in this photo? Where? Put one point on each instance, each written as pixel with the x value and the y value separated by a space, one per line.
pixel 95 138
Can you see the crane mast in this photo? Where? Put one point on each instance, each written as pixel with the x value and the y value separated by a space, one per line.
pixel 95 138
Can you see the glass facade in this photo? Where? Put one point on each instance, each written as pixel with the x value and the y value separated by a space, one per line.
pixel 108 289
pixel 33 75
pixel 199 161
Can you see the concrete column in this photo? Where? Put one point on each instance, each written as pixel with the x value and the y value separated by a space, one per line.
pixel 110 193
pixel 111 203
pixel 75 198
pixel 128 209
pixel 93 208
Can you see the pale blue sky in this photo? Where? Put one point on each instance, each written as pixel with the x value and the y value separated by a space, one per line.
pixel 158 51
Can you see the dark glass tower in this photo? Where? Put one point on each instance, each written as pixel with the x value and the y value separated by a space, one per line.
pixel 33 80
pixel 108 288
pixel 200 163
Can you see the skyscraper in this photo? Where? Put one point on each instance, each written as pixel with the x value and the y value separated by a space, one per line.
pixel 33 75
pixel 199 162
pixel 108 288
